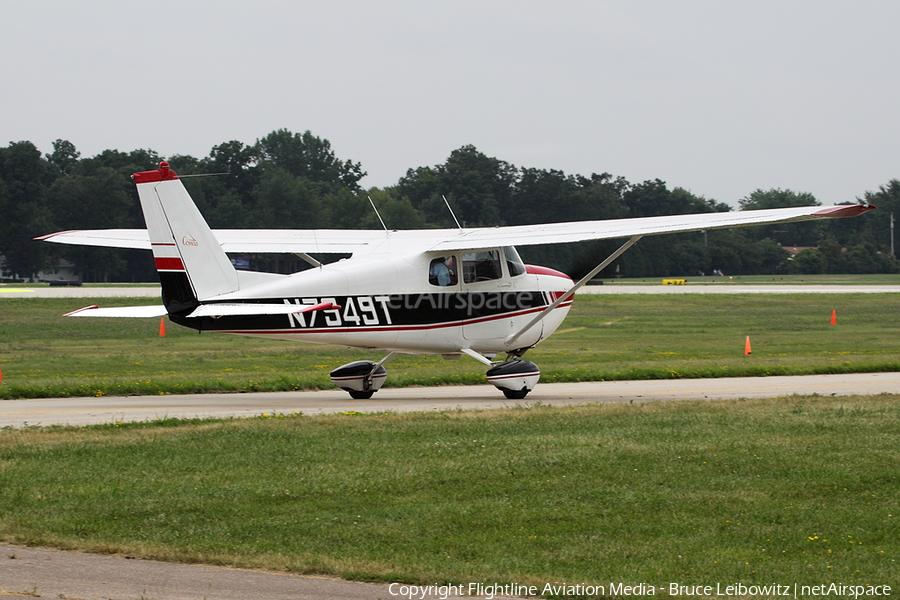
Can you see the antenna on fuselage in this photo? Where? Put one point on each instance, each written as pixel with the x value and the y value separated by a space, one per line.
pixel 452 214
pixel 377 213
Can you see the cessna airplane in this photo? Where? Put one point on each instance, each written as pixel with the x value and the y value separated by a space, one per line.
pixel 451 292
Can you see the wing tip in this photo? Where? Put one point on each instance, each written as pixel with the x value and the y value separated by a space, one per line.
pixel 80 310
pixel 844 210
pixel 47 237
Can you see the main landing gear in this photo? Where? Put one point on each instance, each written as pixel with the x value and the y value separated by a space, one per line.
pixel 361 379
pixel 514 377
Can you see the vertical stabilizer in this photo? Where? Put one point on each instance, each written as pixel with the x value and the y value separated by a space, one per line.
pixel 191 264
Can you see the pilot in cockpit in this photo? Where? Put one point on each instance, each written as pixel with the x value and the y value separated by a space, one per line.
pixel 443 271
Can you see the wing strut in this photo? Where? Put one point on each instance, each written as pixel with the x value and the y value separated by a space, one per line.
pixel 568 295
pixel 308 259
pixel 378 364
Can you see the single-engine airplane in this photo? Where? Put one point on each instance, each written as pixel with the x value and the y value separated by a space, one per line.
pixel 451 292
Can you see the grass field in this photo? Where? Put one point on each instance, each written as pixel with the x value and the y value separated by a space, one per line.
pixel 793 490
pixel 605 337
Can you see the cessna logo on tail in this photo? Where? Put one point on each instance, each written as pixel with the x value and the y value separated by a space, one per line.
pixel 189 240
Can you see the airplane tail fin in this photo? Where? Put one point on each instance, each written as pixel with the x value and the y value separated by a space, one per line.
pixel 191 264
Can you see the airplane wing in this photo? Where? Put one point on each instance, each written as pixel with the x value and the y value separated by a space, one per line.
pixel 336 241
pixel 360 241
pixel 579 231
pixel 106 238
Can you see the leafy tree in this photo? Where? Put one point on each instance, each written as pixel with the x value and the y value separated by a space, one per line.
pixel 98 201
pixel 64 156
pixel 295 180
pixel 25 174
pixel 477 187
pixel 728 252
pixel 833 255
pixel 285 201
pixel 864 257
pixel 683 254
pixel 398 213
pixel 124 163
pixel 308 156
pixel 877 224
pixel 236 161
pixel 772 257
pixel 808 261
pixel 544 197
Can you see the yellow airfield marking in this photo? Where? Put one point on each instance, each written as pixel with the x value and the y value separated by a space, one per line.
pixel 14 290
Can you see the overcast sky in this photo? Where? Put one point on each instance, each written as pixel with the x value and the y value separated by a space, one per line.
pixel 717 97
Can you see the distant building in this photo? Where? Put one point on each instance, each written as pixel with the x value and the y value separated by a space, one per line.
pixel 63 271
pixel 4 274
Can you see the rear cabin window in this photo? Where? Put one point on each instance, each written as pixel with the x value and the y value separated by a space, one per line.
pixel 481 266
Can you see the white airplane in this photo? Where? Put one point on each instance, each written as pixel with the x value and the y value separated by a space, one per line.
pixel 451 292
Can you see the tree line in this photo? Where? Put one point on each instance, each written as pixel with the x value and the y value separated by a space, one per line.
pixel 294 180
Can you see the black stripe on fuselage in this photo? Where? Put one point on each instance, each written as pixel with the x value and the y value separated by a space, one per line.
pixel 380 312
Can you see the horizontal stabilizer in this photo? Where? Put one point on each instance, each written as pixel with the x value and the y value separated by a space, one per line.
pixel 119 311
pixel 252 309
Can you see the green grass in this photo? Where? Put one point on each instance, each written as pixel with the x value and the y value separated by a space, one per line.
pixel 605 337
pixel 801 489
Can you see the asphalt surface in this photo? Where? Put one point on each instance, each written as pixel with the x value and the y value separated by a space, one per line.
pixel 42 573
pixel 85 411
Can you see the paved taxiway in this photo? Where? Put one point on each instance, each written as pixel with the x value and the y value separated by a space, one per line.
pixel 83 411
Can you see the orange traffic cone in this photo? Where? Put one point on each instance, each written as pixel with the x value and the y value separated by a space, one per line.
pixel 834 317
pixel 747 347
pixel 162 327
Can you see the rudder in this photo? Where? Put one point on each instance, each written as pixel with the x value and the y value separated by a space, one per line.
pixel 190 263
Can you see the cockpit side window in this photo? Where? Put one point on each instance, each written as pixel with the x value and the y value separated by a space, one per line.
pixel 481 266
pixel 514 263
pixel 443 271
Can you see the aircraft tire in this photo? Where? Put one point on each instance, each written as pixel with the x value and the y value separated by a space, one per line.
pixel 515 394
pixel 361 395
